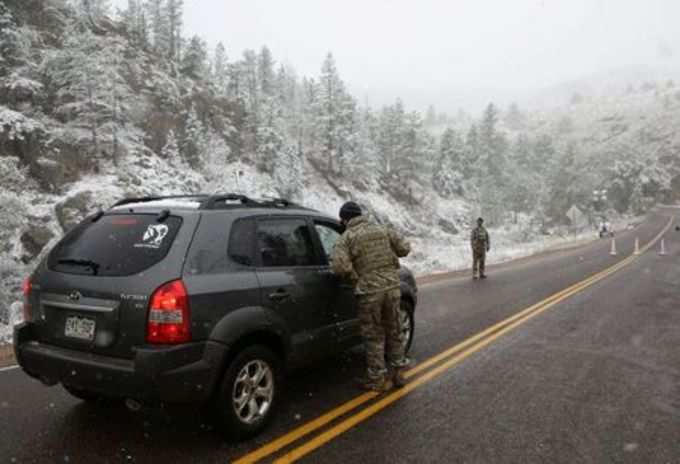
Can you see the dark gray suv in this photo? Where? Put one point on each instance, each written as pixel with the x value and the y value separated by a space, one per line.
pixel 191 299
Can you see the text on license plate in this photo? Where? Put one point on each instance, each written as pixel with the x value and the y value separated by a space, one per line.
pixel 80 327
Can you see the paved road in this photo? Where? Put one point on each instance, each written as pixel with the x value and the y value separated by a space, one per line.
pixel 593 378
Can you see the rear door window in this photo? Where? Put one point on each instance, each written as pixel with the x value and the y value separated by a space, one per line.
pixel 242 242
pixel 115 245
pixel 285 243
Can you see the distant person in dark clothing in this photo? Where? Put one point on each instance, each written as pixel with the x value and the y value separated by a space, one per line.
pixel 481 244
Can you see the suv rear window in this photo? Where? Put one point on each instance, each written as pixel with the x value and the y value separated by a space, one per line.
pixel 115 245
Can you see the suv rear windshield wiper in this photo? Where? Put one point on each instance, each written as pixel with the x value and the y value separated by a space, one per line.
pixel 80 262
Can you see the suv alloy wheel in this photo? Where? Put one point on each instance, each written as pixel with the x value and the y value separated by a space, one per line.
pixel 407 324
pixel 249 393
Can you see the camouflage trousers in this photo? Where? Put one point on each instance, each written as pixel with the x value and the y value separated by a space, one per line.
pixel 380 327
pixel 478 261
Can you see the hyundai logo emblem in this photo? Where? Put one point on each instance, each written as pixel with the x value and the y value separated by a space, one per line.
pixel 74 295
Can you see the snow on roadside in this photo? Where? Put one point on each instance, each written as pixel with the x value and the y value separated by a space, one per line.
pixel 15 317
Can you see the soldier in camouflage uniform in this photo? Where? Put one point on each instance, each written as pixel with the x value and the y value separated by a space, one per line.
pixel 481 244
pixel 368 255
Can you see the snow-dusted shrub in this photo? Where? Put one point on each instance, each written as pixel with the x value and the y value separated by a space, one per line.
pixel 16 126
pixel 12 175
pixel 448 183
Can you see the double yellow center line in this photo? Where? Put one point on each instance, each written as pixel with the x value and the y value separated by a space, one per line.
pixel 448 359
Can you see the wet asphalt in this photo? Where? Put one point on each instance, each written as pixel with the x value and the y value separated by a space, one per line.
pixel 594 379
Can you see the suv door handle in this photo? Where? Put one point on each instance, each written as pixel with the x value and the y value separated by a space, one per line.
pixel 325 272
pixel 279 295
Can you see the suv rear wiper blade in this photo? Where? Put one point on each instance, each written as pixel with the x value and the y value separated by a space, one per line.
pixel 80 262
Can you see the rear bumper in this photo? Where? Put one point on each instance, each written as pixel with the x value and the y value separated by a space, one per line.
pixel 183 373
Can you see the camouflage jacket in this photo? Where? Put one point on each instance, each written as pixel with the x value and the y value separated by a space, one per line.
pixel 368 255
pixel 480 240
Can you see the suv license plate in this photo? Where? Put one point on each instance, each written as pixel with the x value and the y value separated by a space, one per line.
pixel 81 328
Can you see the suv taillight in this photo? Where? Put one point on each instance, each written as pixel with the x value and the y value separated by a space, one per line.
pixel 26 289
pixel 169 318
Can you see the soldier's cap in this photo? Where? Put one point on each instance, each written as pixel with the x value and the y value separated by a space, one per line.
pixel 350 210
pixel 479 219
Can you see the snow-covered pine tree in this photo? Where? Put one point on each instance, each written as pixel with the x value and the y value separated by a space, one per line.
pixel 391 137
pixel 219 69
pixel 235 85
pixel 73 71
pixel 250 89
pixel 175 13
pixel 94 9
pixel 347 133
pixel 366 150
pixel 171 150
pixel 329 108
pixel 521 153
pixel 9 40
pixel 491 145
pixel 87 77
pixel 285 88
pixel 217 155
pixel 447 178
pixel 514 119
pixel 129 17
pixel 431 116
pixel 265 72
pixel 159 26
pixel 562 185
pixel 289 173
pixel 307 136
pixel 195 59
pixel 193 139
pixel 544 154
pixel 417 153
pixel 270 135
pixel 470 162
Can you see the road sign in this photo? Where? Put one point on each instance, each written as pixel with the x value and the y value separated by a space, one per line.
pixel 576 216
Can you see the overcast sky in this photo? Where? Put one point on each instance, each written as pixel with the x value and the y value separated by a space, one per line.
pixel 447 51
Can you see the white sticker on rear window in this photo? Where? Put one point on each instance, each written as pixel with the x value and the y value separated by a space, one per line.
pixel 154 236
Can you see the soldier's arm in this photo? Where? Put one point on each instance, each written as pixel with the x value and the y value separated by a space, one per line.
pixel 341 263
pixel 488 241
pixel 399 244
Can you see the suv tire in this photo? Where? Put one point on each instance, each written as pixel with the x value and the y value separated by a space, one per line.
pixel 408 322
pixel 248 394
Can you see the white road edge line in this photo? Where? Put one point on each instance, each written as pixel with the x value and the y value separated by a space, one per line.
pixel 9 368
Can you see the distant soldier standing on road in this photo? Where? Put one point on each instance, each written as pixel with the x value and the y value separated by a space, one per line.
pixel 481 244
pixel 368 255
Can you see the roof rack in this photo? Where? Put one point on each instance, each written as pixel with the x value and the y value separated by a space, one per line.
pixel 222 202
pixel 218 201
pixel 126 201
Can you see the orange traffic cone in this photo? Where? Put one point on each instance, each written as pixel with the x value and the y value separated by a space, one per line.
pixel 613 252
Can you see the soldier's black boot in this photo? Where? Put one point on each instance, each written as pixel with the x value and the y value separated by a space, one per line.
pixel 398 377
pixel 483 276
pixel 378 386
